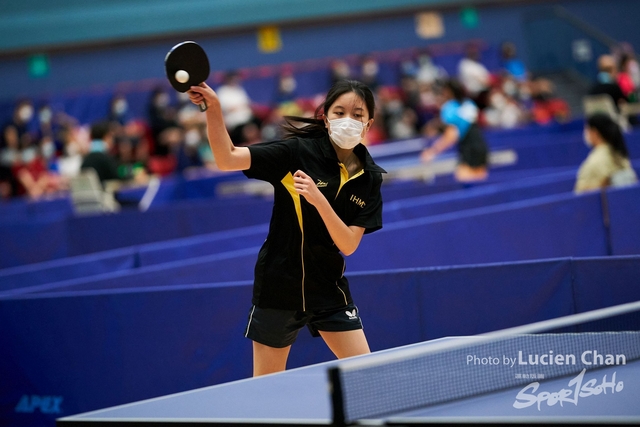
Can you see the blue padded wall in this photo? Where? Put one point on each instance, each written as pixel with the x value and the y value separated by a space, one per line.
pixel 624 211
pixel 109 345
pixel 545 227
pixel 552 226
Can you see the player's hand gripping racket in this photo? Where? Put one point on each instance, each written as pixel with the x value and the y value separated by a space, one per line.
pixel 187 65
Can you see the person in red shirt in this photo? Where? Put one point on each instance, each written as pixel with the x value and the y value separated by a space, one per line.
pixel 625 81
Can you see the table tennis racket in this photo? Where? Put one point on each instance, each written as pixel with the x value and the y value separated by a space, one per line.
pixel 187 65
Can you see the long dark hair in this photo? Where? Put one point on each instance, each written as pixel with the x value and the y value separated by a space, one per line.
pixel 456 88
pixel 609 131
pixel 314 126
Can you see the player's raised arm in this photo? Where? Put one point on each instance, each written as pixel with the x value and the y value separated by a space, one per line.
pixel 227 156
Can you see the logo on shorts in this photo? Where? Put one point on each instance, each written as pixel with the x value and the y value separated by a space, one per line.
pixel 352 314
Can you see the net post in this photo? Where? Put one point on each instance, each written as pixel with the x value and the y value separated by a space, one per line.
pixel 337 399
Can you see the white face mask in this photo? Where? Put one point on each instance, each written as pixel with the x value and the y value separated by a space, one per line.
pixel 28 154
pixel 45 116
pixel 288 84
pixel 370 68
pixel 8 157
pixel 346 133
pixel 48 149
pixel 120 107
pixel 25 113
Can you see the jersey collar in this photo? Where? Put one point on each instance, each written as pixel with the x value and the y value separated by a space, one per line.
pixel 360 150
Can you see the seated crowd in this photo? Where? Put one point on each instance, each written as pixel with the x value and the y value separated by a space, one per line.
pixel 41 150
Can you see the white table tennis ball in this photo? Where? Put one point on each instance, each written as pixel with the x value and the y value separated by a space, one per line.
pixel 182 76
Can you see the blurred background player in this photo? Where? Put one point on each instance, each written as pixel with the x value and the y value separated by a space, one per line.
pixel 458 125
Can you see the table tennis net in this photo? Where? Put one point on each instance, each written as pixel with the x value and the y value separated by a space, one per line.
pixel 419 376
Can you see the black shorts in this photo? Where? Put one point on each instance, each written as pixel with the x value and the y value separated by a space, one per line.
pixel 472 149
pixel 279 328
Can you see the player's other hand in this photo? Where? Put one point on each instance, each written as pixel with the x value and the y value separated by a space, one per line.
pixel 198 94
pixel 305 186
pixel 427 155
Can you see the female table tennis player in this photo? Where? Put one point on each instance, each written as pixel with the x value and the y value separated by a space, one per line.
pixel 458 116
pixel 327 195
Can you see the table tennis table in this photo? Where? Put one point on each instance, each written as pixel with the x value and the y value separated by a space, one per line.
pixel 304 396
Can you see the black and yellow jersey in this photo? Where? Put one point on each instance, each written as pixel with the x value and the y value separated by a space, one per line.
pixel 299 267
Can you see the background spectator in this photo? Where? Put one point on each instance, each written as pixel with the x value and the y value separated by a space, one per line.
pixel 75 144
pixel 16 137
pixel 503 111
pixel 119 109
pixel 33 171
pixel 428 72
pixel 608 161
pixel 511 64
pixel 340 70
pixel 99 157
pixel 186 146
pixel 474 76
pixel 369 70
pixel 632 66
pixel 406 106
pixel 236 107
pixel 16 132
pixel 287 86
pixel 132 151
pixel 545 106
pixel 625 78
pixel 607 81
pixel 161 115
pixel 458 125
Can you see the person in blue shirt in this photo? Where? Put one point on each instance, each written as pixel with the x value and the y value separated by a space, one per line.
pixel 512 64
pixel 458 116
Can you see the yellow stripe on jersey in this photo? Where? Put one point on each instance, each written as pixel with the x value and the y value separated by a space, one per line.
pixel 287 181
pixel 344 176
